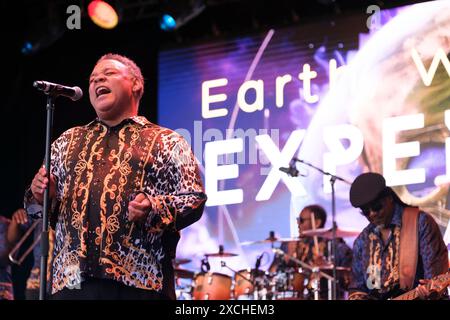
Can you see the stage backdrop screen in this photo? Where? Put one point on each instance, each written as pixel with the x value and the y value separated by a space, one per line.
pixel 367 92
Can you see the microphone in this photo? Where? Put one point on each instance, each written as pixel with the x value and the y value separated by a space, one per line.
pixel 74 93
pixel 291 171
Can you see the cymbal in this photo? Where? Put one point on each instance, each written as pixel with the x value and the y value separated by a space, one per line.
pixel 220 254
pixel 327 233
pixel 184 273
pixel 177 261
pixel 270 240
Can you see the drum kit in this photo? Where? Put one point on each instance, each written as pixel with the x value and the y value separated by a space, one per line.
pixel 304 281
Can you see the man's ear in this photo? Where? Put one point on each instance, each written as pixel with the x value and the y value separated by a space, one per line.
pixel 137 86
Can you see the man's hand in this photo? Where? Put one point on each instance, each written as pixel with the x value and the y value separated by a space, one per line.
pixel 39 184
pixel 139 208
pixel 19 217
pixel 424 292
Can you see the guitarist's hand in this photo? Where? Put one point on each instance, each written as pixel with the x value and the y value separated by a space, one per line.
pixel 425 290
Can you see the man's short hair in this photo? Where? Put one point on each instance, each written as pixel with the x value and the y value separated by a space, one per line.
pixel 319 213
pixel 130 64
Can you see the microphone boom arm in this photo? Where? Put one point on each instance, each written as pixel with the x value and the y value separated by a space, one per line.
pixel 332 176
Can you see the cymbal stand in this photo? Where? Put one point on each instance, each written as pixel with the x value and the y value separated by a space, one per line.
pixel 315 283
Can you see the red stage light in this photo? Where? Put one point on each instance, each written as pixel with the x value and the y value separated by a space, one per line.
pixel 103 14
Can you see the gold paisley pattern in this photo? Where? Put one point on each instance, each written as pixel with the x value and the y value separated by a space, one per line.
pixel 392 261
pixel 98 170
pixel 377 261
pixel 389 264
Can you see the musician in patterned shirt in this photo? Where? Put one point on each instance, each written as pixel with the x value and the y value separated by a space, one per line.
pixel 118 184
pixel 376 252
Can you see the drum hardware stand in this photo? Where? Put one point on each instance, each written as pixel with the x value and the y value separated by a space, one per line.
pixel 253 282
pixel 303 264
pixel 330 261
pixel 314 270
pixel 223 264
pixel 333 179
pixel 315 284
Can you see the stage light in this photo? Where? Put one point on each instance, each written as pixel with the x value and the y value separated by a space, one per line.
pixel 27 48
pixel 178 15
pixel 36 41
pixel 103 14
pixel 167 22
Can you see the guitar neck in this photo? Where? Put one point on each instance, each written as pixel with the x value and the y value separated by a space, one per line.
pixel 442 281
pixel 410 295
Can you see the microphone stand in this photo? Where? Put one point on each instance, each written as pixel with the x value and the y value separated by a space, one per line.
pixel 44 235
pixel 333 179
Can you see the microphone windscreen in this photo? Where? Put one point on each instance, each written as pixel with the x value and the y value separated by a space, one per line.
pixel 78 94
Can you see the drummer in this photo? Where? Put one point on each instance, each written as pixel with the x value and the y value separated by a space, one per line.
pixel 313 250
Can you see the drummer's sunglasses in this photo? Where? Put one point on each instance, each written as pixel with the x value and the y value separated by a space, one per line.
pixel 301 219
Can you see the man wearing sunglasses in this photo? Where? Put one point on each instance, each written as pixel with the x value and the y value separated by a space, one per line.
pixel 381 270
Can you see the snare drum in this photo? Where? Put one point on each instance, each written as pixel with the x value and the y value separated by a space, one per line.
pixel 211 286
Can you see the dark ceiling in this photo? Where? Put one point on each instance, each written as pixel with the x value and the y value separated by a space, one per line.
pixel 44 22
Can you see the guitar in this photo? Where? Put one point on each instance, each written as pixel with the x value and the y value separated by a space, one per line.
pixel 438 284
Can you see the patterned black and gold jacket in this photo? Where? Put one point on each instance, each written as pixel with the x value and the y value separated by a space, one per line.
pixel 98 171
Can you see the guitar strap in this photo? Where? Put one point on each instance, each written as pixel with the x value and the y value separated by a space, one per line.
pixel 409 247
